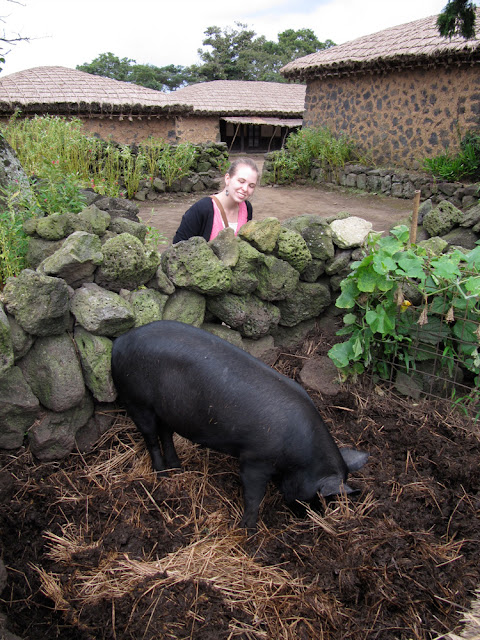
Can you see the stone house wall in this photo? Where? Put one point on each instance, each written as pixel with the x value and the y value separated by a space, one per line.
pixel 197 129
pixel 131 130
pixel 401 116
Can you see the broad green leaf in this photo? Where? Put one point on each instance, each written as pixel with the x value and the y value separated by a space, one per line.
pixel 368 280
pixel 341 354
pixel 380 321
pixel 349 292
pixel 401 232
pixel 473 257
pixel 472 285
pixel 446 267
pixel 349 318
pixel 411 265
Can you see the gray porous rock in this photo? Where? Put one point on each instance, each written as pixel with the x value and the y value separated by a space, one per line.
pixel 307 301
pixel 101 312
pixel 350 232
pixel 185 306
pixel 252 317
pixel 18 408
pixel 192 264
pixel 53 371
pixel 127 263
pixel 7 356
pixel 38 302
pixel 95 354
pixel 76 260
pixel 277 279
pixel 53 436
pixel 441 219
pixel 262 234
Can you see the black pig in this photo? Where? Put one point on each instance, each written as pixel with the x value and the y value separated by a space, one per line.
pixel 173 377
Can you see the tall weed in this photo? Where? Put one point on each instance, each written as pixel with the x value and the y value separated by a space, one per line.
pixel 307 146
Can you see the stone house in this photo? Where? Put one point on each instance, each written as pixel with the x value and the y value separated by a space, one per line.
pixel 403 94
pixel 248 116
pixel 108 108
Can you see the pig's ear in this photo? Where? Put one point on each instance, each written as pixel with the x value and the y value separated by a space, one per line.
pixel 354 459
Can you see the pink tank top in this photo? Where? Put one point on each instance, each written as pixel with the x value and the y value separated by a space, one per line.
pixel 218 221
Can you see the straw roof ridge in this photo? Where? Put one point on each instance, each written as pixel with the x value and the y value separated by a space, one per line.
pixel 74 91
pixel 243 97
pixel 416 43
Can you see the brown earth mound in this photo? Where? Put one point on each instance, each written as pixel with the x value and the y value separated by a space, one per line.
pixel 98 547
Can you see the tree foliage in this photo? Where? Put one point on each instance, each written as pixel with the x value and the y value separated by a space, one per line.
pixel 233 53
pixel 147 75
pixel 457 17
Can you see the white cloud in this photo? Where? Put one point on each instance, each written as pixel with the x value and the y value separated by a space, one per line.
pixel 72 32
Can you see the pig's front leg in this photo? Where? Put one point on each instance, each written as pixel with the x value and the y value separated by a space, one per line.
pixel 255 477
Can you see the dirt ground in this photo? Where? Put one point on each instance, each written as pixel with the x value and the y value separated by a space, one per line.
pixel 98 547
pixel 280 202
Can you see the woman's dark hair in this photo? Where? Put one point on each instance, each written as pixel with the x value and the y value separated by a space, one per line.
pixel 232 170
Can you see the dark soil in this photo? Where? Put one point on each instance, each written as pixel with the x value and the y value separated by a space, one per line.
pixel 98 547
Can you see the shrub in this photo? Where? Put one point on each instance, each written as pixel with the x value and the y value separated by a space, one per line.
pixel 457 166
pixel 14 211
pixel 307 146
pixel 384 325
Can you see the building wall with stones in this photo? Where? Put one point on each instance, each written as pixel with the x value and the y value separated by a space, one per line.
pixel 131 130
pixel 198 129
pixel 402 116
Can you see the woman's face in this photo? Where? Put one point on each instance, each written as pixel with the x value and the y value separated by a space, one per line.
pixel 242 184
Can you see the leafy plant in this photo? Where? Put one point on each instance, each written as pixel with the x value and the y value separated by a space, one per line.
pixel 175 161
pixel 465 164
pixel 310 145
pixel 384 325
pixel 58 192
pixel 15 209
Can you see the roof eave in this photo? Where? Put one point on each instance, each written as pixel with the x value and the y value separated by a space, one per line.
pixel 67 108
pixel 383 65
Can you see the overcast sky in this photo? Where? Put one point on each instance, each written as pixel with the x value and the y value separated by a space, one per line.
pixel 161 32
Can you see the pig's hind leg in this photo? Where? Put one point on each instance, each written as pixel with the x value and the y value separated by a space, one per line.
pixel 151 428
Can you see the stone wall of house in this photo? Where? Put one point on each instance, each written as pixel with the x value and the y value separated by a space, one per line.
pixel 131 130
pixel 197 129
pixel 399 117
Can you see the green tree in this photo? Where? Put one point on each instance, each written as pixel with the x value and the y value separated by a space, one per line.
pixel 109 66
pixel 165 78
pixel 457 17
pixel 232 55
pixel 239 54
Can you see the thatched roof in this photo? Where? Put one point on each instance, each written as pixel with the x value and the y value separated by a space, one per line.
pixel 408 45
pixel 239 97
pixel 67 92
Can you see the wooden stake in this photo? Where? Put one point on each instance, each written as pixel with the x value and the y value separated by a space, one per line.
pixel 413 226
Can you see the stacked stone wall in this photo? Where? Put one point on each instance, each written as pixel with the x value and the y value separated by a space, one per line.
pixel 397 183
pixel 92 277
pixel 398 117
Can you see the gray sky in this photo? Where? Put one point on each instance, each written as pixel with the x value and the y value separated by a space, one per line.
pixel 162 32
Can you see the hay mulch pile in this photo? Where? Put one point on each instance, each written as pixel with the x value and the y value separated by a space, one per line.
pixel 97 547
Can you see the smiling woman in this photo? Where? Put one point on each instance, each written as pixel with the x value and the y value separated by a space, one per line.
pixel 228 208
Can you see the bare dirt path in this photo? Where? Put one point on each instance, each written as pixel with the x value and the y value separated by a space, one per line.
pixel 165 213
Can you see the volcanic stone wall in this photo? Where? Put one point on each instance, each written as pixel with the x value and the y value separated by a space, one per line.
pixel 399 117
